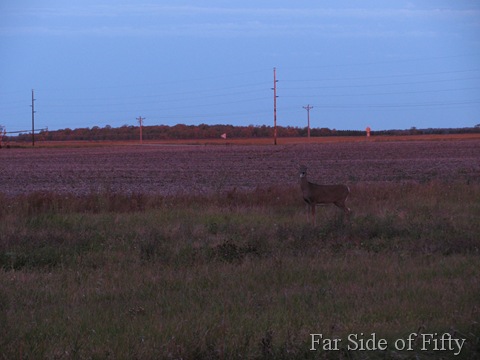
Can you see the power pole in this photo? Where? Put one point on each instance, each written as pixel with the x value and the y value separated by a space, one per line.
pixel 308 107
pixel 140 121
pixel 275 106
pixel 33 118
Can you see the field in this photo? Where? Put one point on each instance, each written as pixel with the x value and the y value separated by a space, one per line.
pixel 168 169
pixel 204 251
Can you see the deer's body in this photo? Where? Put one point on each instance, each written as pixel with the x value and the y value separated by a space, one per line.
pixel 315 194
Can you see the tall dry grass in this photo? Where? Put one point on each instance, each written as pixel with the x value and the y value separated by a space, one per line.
pixel 236 275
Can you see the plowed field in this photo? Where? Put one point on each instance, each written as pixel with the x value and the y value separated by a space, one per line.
pixel 164 169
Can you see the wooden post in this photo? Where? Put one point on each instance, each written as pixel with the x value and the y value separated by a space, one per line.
pixel 274 106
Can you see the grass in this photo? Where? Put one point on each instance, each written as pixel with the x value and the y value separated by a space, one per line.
pixel 239 275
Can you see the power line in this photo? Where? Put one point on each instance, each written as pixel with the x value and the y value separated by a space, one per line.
pixel 404 105
pixel 382 84
pixel 385 76
pixel 389 93
pixel 259 103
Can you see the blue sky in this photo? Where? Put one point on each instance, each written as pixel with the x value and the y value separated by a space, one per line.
pixel 385 64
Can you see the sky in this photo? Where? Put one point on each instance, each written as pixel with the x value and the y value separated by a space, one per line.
pixel 384 64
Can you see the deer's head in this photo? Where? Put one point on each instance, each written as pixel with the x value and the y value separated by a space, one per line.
pixel 303 171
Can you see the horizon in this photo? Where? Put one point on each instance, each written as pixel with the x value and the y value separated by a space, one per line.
pixel 260 125
pixel 331 130
pixel 398 65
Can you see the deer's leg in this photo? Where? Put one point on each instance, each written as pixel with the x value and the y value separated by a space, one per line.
pixel 341 205
pixel 314 218
pixel 346 209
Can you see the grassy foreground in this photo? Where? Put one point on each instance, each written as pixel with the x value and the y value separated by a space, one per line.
pixel 238 275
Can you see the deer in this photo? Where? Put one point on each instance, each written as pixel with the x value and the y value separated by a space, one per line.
pixel 315 194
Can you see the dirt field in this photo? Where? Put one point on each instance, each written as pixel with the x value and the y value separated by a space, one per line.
pixel 170 169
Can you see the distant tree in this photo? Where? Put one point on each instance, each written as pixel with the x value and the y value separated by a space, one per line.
pixel 205 131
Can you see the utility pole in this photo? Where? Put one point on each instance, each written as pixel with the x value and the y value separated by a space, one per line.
pixel 140 121
pixel 308 107
pixel 275 106
pixel 33 118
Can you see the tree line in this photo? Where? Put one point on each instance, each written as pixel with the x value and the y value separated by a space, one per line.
pixel 204 131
